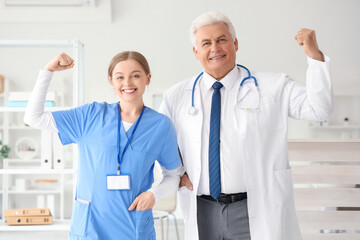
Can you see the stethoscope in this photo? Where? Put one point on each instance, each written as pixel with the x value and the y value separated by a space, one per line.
pixel 192 110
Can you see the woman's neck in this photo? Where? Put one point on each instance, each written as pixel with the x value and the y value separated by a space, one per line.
pixel 130 111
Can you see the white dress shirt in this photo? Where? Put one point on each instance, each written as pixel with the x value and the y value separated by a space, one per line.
pixel 231 160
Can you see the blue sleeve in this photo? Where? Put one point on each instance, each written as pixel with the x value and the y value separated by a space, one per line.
pixel 169 156
pixel 72 124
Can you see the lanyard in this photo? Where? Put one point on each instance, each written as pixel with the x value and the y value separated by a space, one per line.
pixel 120 156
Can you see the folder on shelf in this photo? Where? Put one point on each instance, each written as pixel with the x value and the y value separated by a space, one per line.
pixel 26 212
pixel 58 153
pixel 46 149
pixel 24 104
pixel 20 99
pixel 24 96
pixel 11 221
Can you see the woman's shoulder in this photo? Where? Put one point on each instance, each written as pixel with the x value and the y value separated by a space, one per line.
pixel 96 109
pixel 98 105
pixel 157 117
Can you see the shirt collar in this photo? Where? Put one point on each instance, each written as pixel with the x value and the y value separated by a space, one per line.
pixel 228 81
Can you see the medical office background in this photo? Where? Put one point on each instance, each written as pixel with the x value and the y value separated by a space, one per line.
pixel 159 29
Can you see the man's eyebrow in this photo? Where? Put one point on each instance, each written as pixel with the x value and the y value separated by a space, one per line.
pixel 221 36
pixel 205 40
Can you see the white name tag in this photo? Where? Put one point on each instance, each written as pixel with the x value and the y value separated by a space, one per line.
pixel 118 182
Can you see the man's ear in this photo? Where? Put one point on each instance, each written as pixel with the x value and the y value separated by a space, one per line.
pixel 236 43
pixel 196 53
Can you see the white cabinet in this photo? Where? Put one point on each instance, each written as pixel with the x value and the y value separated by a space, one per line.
pixel 344 120
pixel 25 182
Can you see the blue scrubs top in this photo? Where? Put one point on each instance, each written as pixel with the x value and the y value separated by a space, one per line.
pixel 99 213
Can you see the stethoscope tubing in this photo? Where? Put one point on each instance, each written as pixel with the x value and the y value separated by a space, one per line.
pixel 242 82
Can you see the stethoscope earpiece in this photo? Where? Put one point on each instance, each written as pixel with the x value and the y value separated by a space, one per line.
pixel 192 110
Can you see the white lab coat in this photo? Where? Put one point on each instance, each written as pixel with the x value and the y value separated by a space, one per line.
pixel 263 141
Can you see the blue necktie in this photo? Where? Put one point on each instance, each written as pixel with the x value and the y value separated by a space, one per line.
pixel 214 142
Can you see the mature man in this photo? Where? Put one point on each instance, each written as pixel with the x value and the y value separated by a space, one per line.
pixel 232 136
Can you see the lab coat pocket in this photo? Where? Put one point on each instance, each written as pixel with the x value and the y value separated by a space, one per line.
pixel 185 199
pixel 283 186
pixel 271 114
pixel 144 224
pixel 240 119
pixel 80 218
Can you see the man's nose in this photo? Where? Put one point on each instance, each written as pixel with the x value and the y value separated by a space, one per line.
pixel 215 46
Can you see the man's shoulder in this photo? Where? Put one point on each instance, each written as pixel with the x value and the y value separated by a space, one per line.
pixel 270 79
pixel 179 88
pixel 272 83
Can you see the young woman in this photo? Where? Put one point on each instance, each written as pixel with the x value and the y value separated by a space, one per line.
pixel 118 145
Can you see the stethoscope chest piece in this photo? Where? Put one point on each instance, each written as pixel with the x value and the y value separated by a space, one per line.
pixel 192 111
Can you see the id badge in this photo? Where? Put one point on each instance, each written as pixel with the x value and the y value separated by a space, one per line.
pixel 118 182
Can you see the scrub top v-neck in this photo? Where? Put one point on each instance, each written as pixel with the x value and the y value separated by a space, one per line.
pixel 99 213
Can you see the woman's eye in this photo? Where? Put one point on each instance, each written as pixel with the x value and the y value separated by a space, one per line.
pixel 120 78
pixel 136 76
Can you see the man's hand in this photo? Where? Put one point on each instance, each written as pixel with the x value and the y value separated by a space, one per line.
pixel 307 39
pixel 185 181
pixel 59 63
pixel 144 201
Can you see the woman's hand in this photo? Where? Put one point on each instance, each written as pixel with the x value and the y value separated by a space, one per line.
pixel 61 62
pixel 144 201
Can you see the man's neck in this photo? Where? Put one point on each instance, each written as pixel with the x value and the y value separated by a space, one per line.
pixel 218 75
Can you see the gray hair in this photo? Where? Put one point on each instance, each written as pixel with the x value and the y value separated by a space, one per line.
pixel 210 18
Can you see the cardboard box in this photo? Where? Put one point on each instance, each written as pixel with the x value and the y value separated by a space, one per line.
pixel 13 221
pixel 24 212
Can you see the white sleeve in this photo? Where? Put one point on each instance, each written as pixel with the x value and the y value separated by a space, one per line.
pixel 34 113
pixel 313 102
pixel 169 183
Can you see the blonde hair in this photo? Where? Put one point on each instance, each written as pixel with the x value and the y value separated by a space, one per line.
pixel 123 56
pixel 210 18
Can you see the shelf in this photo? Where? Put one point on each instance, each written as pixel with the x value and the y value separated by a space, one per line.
pixel 37 43
pixel 322 140
pixel 36 171
pixel 21 128
pixel 19 160
pixel 58 225
pixel 35 192
pixel 22 109
pixel 12 127
pixel 340 127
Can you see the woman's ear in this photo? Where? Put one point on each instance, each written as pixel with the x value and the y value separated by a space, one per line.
pixel 148 79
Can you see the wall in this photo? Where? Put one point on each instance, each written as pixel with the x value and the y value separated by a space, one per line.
pixel 160 30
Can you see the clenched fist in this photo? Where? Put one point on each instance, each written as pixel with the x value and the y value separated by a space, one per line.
pixel 61 62
pixel 307 39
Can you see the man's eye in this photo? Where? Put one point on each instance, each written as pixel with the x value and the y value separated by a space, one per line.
pixel 222 40
pixel 205 44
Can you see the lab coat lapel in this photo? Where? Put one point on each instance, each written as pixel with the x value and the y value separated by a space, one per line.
pixel 194 129
pixel 195 120
pixel 248 95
